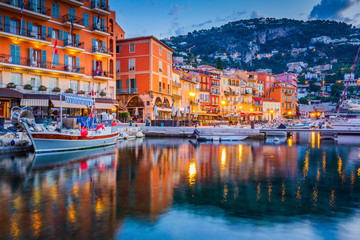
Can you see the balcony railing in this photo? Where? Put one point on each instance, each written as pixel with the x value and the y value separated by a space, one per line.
pixel 288 93
pixel 100 5
pixel 127 91
pixel 32 6
pixel 95 27
pixel 204 89
pixel 230 93
pixel 100 50
pixel 73 19
pixel 101 73
pixel 176 84
pixel 215 93
pixel 68 43
pixel 27 62
pixel 24 32
pixel 177 96
pixel 215 84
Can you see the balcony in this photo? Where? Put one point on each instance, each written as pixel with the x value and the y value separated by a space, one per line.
pixel 215 84
pixel 288 93
pixel 127 91
pixel 99 7
pixel 99 30
pixel 176 84
pixel 77 22
pixel 19 34
pixel 215 93
pixel 77 47
pixel 37 65
pixel 101 52
pixel 77 3
pixel 103 75
pixel 176 96
pixel 204 89
pixel 232 93
pixel 31 9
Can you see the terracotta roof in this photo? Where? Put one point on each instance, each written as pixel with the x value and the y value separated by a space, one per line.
pixel 144 37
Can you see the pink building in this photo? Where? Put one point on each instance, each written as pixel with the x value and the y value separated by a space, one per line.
pixel 287 78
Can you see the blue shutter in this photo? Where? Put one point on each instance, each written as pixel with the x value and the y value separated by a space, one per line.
pixel 0 20
pixel 94 66
pixel 66 59
pixel 7 24
pixel 71 13
pixel 23 28
pixel 50 32
pixel 103 24
pixel 134 90
pixel 66 36
pixel 43 58
pixel 43 32
pixel 57 61
pixel 94 22
pixel 103 4
pixel 12 52
pixel 104 47
pixel 29 27
pixel 86 19
pixel 77 63
pixel 61 35
pixel 42 6
pixel 31 55
pixel 77 39
pixel 93 44
pixel 15 53
pixel 128 85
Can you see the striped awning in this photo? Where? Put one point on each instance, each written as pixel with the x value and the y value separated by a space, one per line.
pixel 67 105
pixel 34 102
pixel 78 100
pixel 104 105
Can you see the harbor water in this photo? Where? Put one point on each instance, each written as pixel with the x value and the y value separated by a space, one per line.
pixel 297 188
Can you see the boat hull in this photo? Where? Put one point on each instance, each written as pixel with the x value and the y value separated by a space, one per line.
pixel 58 142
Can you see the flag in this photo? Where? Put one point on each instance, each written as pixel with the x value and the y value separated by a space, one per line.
pixel 97 68
pixel 22 10
pixel 98 21
pixel 55 47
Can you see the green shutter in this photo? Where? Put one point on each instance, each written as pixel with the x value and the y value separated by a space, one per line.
pixel 61 35
pixel 43 58
pixel 7 24
pixel 77 63
pixel 50 32
pixel 23 28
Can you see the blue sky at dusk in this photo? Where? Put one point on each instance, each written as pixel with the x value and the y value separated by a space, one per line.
pixel 165 18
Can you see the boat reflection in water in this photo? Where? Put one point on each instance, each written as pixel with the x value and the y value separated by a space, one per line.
pixel 170 188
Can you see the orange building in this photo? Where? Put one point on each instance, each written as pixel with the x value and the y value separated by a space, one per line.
pixel 144 79
pixel 82 31
pixel 286 94
pixel 268 81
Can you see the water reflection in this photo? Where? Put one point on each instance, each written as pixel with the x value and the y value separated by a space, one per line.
pixel 122 191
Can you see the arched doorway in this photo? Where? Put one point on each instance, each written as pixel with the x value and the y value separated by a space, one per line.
pixel 166 103
pixel 133 104
pixel 158 101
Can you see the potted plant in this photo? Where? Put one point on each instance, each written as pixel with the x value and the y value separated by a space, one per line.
pixel 42 88
pixel 11 85
pixel 28 87
pixel 69 90
pixel 56 89
pixel 123 116
pixel 102 93
pixel 81 92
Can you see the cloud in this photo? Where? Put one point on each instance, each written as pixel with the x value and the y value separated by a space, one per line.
pixel 176 8
pixel 201 24
pixel 232 17
pixel 332 9
pixel 255 14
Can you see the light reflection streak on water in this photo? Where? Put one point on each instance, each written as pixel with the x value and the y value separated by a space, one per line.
pixel 306 164
pixel 332 198
pixel 240 152
pixel 313 139
pixel 223 158
pixel 192 173
pixel 258 191
pixel 269 191
pixel 324 162
pixel 315 195
pixel 290 141
pixel 318 140
pixel 283 191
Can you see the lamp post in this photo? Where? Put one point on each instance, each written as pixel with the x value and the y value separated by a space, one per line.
pixel 323 82
pixel 192 95
pixel 223 102
pixel 272 114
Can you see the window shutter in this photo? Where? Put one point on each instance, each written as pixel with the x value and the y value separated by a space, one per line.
pixel 66 60
pixel 23 28
pixel 104 47
pixel 94 44
pixel 57 59
pixel 78 63
pixel 77 38
pixel 86 19
pixel 50 32
pixel 127 85
pixel 43 32
pixel 31 56
pixel 29 27
pixel 42 6
pixel 7 24
pixel 61 35
pixel 66 36
pixel 12 51
pixel 94 22
pixel 43 58
pixel 17 54
pixel 94 65
pixel 135 83
pixel 0 20
pixel 71 13
pixel 103 23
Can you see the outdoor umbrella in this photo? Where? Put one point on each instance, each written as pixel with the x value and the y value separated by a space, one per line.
pixel 136 112
pixel 178 114
pixel 184 111
pixel 196 114
pixel 173 113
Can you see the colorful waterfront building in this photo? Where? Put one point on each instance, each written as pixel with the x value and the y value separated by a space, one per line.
pixel 188 92
pixel 285 93
pixel 215 90
pixel 231 93
pixel 176 89
pixel 51 47
pixel 268 80
pixel 145 77
pixel 271 109
pixel 289 78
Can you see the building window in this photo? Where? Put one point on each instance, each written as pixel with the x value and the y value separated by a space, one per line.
pixel 35 81
pixel 159 86
pixel 86 19
pixel 118 48
pixel 117 66
pixel 160 50
pixel 53 83
pixel 16 78
pixel 160 66
pixel 132 47
pixel 168 71
pixel 86 87
pixel 132 64
pixel 74 85
pixel 55 10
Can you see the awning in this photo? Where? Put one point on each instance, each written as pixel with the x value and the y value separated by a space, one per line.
pixel 10 93
pixel 67 105
pixel 104 105
pixel 80 100
pixel 164 109
pixel 34 102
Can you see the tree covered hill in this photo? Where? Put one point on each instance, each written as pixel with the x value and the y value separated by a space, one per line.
pixel 267 43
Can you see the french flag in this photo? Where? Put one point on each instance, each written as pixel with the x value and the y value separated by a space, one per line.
pixel 55 47
pixel 98 21
pixel 22 10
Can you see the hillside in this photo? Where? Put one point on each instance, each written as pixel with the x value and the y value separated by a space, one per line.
pixel 270 43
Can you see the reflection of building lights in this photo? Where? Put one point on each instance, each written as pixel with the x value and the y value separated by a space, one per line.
pixel 312 139
pixel 269 192
pixel 324 163
pixel 315 195
pixel 339 166
pixel 332 198
pixel 240 152
pixel 306 164
pixel 318 140
pixel 223 158
pixel 283 191
pixel 290 142
pixel 258 191
pixel 192 173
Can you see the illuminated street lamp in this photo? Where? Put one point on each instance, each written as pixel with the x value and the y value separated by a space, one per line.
pixel 223 102
pixel 192 95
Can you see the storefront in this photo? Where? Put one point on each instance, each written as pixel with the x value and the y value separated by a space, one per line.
pixel 8 99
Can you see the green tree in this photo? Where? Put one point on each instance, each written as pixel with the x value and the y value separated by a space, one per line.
pixel 313 87
pixel 219 64
pixel 303 100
